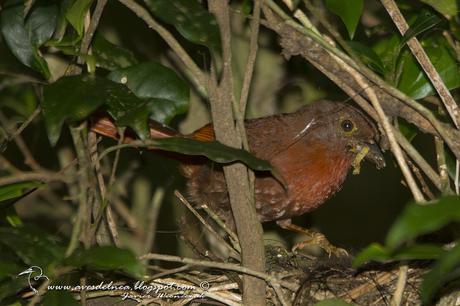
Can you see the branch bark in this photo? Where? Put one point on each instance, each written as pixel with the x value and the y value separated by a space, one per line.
pixel 249 229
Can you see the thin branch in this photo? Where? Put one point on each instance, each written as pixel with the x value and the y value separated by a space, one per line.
pixel 20 143
pixel 142 13
pixel 42 176
pixel 86 42
pixel 184 201
pixel 253 48
pixel 27 122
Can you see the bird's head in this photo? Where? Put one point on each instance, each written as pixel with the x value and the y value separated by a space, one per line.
pixel 346 128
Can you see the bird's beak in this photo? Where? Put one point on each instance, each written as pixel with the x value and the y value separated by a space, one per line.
pixel 375 155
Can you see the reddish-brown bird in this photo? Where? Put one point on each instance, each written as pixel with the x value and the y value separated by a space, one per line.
pixel 312 149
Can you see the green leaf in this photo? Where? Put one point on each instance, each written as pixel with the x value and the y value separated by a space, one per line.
pixel 31 246
pixel 419 219
pixel 333 302
pixel 377 252
pixel 16 190
pixel 445 269
pixel 165 93
pixel 213 150
pixel 107 258
pixel 368 56
pixel 76 14
pixel 349 11
pixel 407 129
pixel 59 298
pixel 191 20
pixel 425 21
pixel 41 22
pixel 110 56
pixel 448 8
pixel 413 80
pixel 88 92
pixel 18 38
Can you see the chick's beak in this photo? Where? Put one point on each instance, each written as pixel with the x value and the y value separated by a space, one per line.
pixel 375 155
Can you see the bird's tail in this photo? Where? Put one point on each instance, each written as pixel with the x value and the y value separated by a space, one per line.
pixel 104 125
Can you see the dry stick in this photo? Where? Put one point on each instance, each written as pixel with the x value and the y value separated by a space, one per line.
pixel 152 218
pixel 442 167
pixel 184 201
pixel 42 176
pixel 424 61
pixel 86 42
pixel 223 266
pixel 141 12
pixel 26 123
pixel 253 48
pixel 20 143
pixel 249 229
pixel 397 152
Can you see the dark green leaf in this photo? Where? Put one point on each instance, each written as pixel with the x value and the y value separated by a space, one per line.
pixel 413 80
pixel 445 269
pixel 213 150
pixel 333 302
pixel 18 37
pixel 388 50
pixel 190 19
pixel 166 94
pixel 59 298
pixel 76 14
pixel 451 162
pixel 368 56
pixel 448 8
pixel 88 93
pixel 107 258
pixel 419 219
pixel 349 11
pixel 16 190
pixel 425 21
pixel 377 252
pixel 110 56
pixel 408 130
pixel 31 246
pixel 42 22
pixel 246 7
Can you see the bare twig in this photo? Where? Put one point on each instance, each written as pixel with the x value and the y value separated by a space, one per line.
pixel 19 141
pixel 42 176
pixel 184 201
pixel 92 26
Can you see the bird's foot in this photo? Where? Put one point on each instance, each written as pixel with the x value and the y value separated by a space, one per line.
pixel 318 239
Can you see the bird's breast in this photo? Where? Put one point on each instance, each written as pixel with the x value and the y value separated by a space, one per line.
pixel 312 172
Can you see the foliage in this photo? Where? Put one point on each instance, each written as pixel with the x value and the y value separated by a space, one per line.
pixel 135 73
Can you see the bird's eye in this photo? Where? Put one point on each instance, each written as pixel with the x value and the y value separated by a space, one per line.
pixel 347 125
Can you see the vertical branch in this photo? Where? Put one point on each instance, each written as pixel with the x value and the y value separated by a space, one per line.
pixel 248 227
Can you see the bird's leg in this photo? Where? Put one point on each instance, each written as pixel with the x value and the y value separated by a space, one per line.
pixel 315 238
